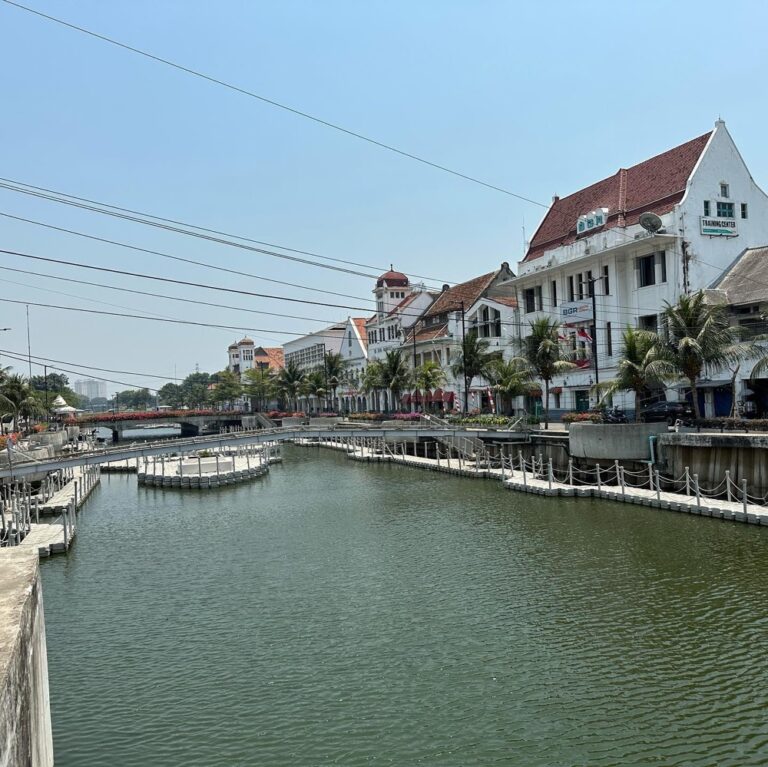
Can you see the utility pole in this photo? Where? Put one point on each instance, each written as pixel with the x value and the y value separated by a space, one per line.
pixel 415 389
pixel 592 282
pixel 463 360
pixel 29 346
pixel 45 373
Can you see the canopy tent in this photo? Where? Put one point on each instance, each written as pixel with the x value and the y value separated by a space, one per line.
pixel 64 410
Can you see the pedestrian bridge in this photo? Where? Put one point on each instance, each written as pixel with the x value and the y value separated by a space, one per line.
pixel 191 425
pixel 255 437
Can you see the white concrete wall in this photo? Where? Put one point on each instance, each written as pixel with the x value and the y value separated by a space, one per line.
pixel 25 717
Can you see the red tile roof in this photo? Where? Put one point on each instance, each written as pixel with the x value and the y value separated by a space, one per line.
pixel 360 325
pixel 273 356
pixel 655 185
pixel 393 279
pixel 467 292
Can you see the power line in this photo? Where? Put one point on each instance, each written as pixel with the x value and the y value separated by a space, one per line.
pixel 178 230
pixel 201 228
pixel 178 258
pixel 272 102
pixel 163 319
pixel 179 282
pixel 75 372
pixel 151 295
pixel 9 352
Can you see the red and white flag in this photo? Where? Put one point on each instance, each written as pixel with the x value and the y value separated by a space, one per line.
pixel 582 333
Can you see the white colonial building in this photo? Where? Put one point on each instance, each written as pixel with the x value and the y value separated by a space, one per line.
pixel 308 352
pixel 637 239
pixel 398 306
pixel 485 304
pixel 354 351
pixel 245 355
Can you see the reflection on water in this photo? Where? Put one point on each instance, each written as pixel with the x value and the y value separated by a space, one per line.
pixel 340 613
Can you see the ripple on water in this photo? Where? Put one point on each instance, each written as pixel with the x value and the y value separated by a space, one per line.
pixel 338 613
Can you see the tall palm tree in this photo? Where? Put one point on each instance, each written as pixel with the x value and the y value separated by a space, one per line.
pixel 635 372
pixel 335 367
pixel 372 380
pixel 313 385
pixel 510 378
pixel 473 360
pixel 545 356
pixel 289 382
pixel 395 373
pixel 695 336
pixel 429 376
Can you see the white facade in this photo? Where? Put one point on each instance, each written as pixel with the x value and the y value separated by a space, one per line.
pixel 354 351
pixel 634 272
pixel 308 352
pixel 398 306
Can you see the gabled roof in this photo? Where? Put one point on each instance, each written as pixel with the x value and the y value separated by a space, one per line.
pixel 746 280
pixel 407 300
pixel 450 300
pixel 360 325
pixel 655 185
pixel 274 356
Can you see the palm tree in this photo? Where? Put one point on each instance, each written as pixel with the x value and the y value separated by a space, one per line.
pixel 260 385
pixel 289 382
pixel 510 378
pixel 313 385
pixel 635 372
pixel 429 376
pixel 395 373
pixel 335 366
pixel 473 360
pixel 695 336
pixel 372 379
pixel 19 396
pixel 545 356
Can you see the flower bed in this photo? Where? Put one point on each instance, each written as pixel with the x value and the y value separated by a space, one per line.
pixel 278 414
pixel 486 419
pixel 149 415
pixel 582 418
pixel 733 424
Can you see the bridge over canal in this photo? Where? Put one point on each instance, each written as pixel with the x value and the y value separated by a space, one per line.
pixel 191 425
pixel 283 434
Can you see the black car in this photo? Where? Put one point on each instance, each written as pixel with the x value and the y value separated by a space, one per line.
pixel 667 411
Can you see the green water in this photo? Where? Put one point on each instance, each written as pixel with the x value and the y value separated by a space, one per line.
pixel 337 613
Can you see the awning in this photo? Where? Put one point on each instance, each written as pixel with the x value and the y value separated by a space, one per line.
pixel 448 396
pixel 684 385
pixel 406 399
pixel 556 390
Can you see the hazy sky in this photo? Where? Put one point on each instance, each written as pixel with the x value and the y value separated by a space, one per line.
pixel 539 98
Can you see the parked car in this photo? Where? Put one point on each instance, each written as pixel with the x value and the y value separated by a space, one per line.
pixel 667 411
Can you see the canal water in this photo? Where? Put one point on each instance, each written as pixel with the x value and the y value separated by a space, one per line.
pixel 337 613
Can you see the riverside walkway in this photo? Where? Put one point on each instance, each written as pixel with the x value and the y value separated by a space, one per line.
pixel 47 521
pixel 243 437
pixel 684 494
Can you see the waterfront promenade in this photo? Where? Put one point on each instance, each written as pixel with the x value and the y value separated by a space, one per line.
pixel 534 476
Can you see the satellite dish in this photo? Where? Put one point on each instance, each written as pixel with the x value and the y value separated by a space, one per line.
pixel 650 222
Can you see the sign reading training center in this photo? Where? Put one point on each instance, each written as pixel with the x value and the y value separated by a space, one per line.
pixel 719 226
pixel 575 311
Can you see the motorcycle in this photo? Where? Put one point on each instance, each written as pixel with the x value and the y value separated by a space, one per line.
pixel 614 415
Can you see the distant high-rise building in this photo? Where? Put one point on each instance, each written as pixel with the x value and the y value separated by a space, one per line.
pixel 90 388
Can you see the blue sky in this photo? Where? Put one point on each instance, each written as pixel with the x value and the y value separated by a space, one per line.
pixel 540 99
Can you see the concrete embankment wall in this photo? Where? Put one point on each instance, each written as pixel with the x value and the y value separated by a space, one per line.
pixel 25 716
pixel 745 456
